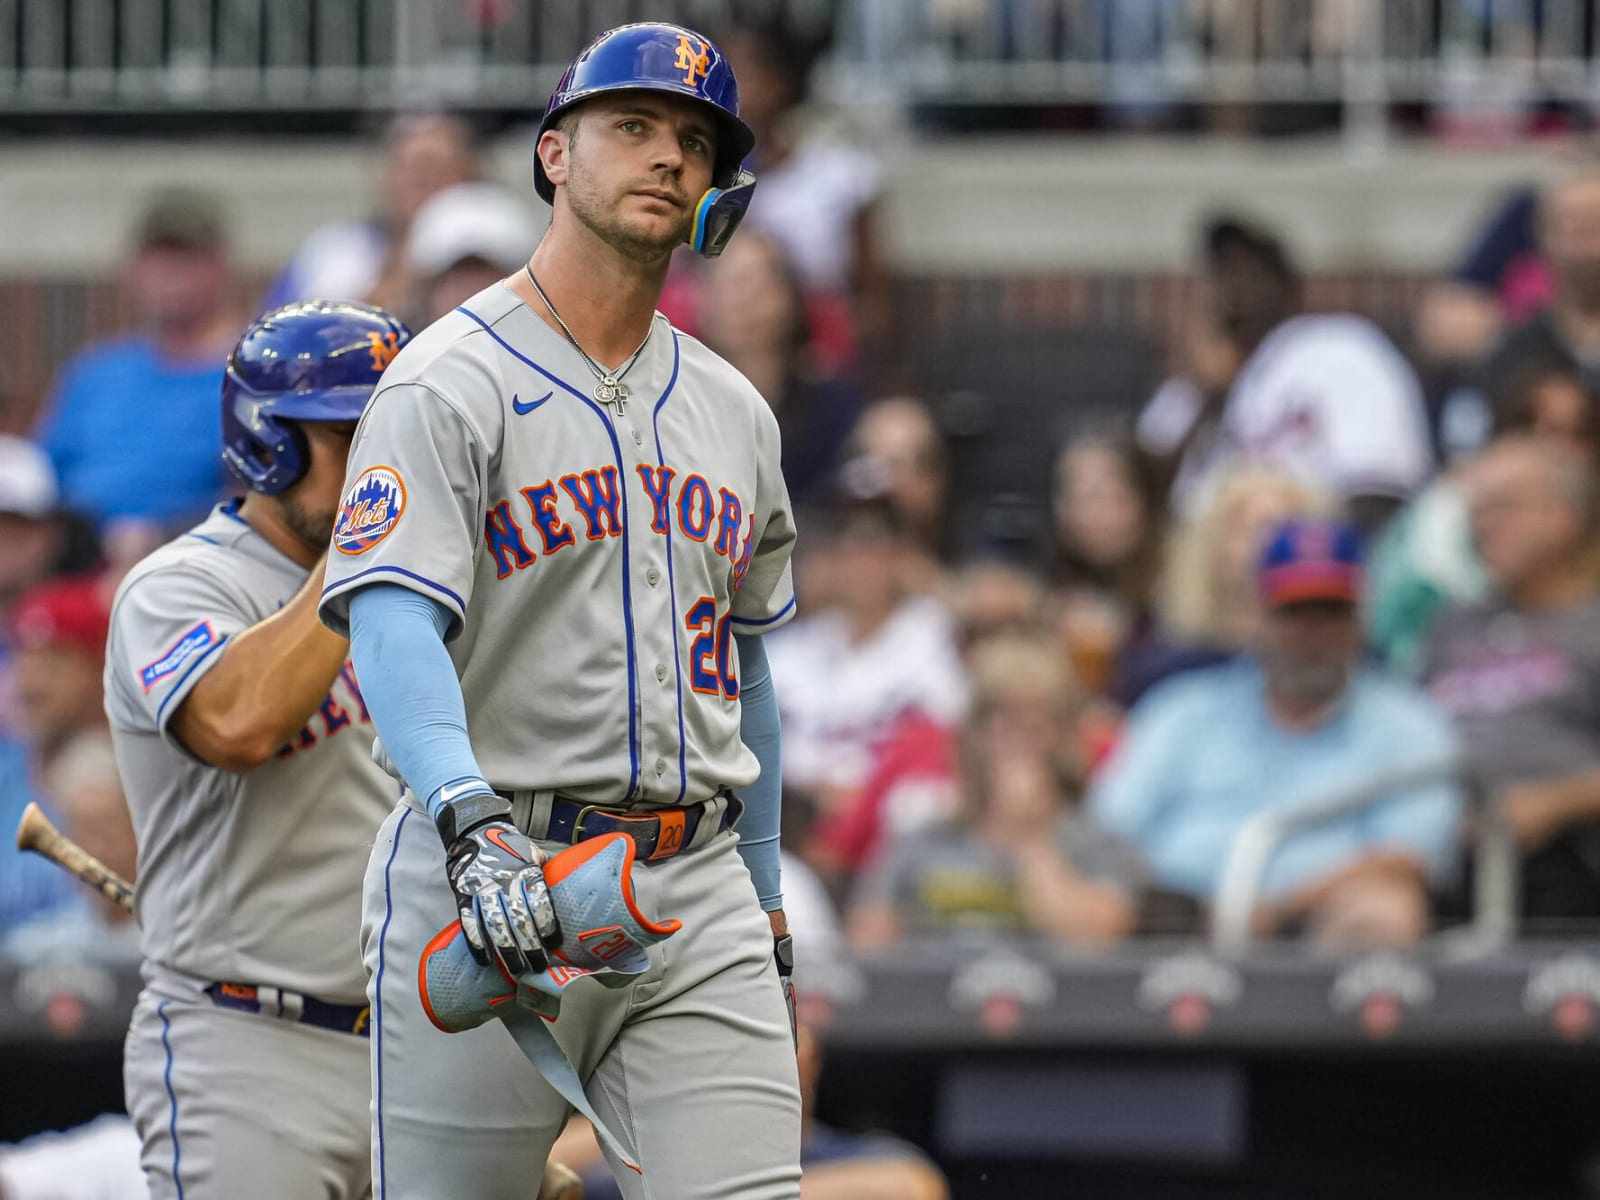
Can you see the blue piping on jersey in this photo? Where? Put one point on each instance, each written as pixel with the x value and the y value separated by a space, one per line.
pixel 672 584
pixel 230 508
pixel 200 537
pixel 177 688
pixel 377 1008
pixel 172 1097
pixel 344 584
pixel 627 558
pixel 777 616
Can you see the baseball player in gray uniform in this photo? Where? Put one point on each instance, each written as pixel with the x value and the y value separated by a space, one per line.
pixel 563 533
pixel 246 754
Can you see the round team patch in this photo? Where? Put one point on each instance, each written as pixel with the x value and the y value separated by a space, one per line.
pixel 370 510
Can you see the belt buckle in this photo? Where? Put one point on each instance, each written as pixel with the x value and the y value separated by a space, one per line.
pixel 583 813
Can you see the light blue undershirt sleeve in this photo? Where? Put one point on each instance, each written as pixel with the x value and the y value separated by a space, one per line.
pixel 763 799
pixel 410 686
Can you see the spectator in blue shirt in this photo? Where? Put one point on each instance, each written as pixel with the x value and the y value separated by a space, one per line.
pixel 1298 718
pixel 132 425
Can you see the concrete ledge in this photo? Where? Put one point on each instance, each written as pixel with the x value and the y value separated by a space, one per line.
pixel 979 205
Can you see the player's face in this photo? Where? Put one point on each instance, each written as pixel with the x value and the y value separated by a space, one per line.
pixel 312 504
pixel 635 170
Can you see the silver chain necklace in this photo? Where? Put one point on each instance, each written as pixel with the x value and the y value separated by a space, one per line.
pixel 608 388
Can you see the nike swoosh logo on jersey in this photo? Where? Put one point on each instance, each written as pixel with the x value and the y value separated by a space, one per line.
pixel 524 409
pixel 450 793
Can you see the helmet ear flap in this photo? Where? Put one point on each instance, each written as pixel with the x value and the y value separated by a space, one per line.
pixel 718 214
pixel 269 454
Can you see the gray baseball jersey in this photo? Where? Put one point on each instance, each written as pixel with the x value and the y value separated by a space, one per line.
pixel 596 563
pixel 252 878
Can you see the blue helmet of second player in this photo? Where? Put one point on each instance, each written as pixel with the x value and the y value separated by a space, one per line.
pixel 315 361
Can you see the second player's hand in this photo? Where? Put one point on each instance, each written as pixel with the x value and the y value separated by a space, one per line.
pixel 502 898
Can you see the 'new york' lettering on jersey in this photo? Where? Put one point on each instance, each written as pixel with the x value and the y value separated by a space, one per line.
pixel 596 505
pixel 596 563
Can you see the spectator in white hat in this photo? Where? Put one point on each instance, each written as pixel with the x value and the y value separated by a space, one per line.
pixel 32 536
pixel 464 239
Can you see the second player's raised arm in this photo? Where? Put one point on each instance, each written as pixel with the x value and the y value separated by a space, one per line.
pixel 265 685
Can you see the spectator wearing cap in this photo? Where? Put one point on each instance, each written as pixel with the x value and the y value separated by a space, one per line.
pixel 365 259
pixel 132 425
pixel 1324 397
pixel 1208 603
pixel 56 637
pixel 1298 718
pixel 57 634
pixel 32 536
pixel 1519 671
pixel 464 239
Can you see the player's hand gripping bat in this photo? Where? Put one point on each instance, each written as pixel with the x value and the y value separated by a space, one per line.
pixel 36 833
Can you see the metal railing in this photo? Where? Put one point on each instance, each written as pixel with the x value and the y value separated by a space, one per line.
pixel 1133 57
pixel 1495 870
pixel 84 55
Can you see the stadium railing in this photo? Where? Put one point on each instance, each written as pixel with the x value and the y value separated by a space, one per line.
pixel 1494 880
pixel 1135 56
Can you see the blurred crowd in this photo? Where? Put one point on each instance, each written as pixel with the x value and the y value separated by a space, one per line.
pixel 1320 557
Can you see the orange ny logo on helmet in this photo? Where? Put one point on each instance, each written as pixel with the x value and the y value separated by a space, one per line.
pixel 693 60
pixel 384 347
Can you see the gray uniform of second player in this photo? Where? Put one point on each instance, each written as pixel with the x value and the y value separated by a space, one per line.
pixel 245 879
pixel 596 564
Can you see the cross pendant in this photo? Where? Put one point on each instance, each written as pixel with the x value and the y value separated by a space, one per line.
pixel 609 391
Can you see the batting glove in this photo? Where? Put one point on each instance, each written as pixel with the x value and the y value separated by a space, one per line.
pixel 499 886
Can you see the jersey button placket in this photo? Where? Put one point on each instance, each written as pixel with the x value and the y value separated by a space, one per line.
pixel 658 710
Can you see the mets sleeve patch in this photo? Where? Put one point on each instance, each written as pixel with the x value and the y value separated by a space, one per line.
pixel 370 510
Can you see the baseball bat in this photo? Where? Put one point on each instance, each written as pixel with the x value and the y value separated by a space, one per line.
pixel 36 833
pixel 560 1183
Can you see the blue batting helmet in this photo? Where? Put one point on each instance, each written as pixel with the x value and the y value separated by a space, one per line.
pixel 316 361
pixel 656 57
